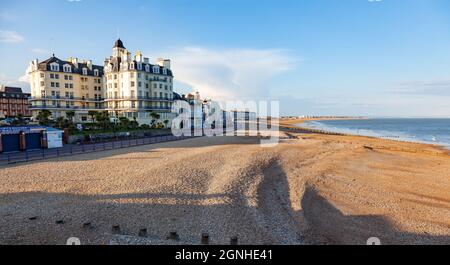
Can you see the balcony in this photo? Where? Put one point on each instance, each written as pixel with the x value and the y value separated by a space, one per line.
pixel 59 107
pixel 140 98
pixel 67 99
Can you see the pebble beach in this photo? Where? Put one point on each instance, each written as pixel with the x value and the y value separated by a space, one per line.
pixel 309 189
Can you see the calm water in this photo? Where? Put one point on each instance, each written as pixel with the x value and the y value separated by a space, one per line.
pixel 435 131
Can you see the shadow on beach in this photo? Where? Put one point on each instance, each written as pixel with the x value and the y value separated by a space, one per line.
pixel 222 215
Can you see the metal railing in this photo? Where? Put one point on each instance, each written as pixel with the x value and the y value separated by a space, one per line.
pixel 75 149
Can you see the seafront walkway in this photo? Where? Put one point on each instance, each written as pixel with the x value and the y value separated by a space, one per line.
pixel 75 149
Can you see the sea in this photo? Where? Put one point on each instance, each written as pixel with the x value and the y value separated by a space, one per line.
pixel 423 130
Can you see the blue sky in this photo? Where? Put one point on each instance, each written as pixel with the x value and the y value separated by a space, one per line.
pixel 318 57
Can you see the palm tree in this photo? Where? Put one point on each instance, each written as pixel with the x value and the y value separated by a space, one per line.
pixel 92 113
pixel 44 117
pixel 70 115
pixel 103 119
pixel 155 117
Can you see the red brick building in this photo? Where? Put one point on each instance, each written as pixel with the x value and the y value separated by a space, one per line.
pixel 13 102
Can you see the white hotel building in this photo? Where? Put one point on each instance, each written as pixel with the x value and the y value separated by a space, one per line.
pixel 124 86
pixel 135 87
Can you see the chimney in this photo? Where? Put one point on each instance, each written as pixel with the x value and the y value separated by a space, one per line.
pixel 146 60
pixel 89 64
pixel 138 57
pixel 75 62
pixel 163 62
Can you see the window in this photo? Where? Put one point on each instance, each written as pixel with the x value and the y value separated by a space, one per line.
pixel 165 87
pixel 164 71
pixel 96 72
pixel 52 75
pixel 139 75
pixel 139 66
pixel 66 85
pixel 132 84
pixel 156 69
pixel 139 84
pixel 160 85
pixel 52 84
pixel 42 83
pixel 70 77
pixel 70 85
pixel 132 66
pixel 84 71
pixel 155 85
pixel 146 85
pixel 147 69
pixel 54 67
pixel 42 75
pixel 67 68
pixel 56 76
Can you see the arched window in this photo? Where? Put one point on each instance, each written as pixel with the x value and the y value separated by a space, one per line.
pixel 96 72
pixel 156 69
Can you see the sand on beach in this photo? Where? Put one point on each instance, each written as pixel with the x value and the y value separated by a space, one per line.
pixel 309 189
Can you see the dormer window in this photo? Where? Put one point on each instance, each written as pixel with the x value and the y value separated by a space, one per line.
pixel 54 67
pixel 67 68
pixel 164 71
pixel 96 72
pixel 156 69
pixel 139 66
pixel 84 71
pixel 147 68
pixel 132 66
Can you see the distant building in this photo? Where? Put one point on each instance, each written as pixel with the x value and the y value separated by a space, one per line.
pixel 135 87
pixel 14 102
pixel 61 86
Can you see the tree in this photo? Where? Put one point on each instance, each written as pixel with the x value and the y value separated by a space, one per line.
pixel 61 123
pixel 70 115
pixel 92 113
pixel 124 122
pixel 155 117
pixel 44 117
pixel 103 119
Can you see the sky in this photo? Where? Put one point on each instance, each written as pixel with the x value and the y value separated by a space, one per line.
pixel 317 57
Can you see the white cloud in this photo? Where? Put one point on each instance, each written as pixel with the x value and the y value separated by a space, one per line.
pixel 229 74
pixel 74 1
pixel 8 36
pixel 22 81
